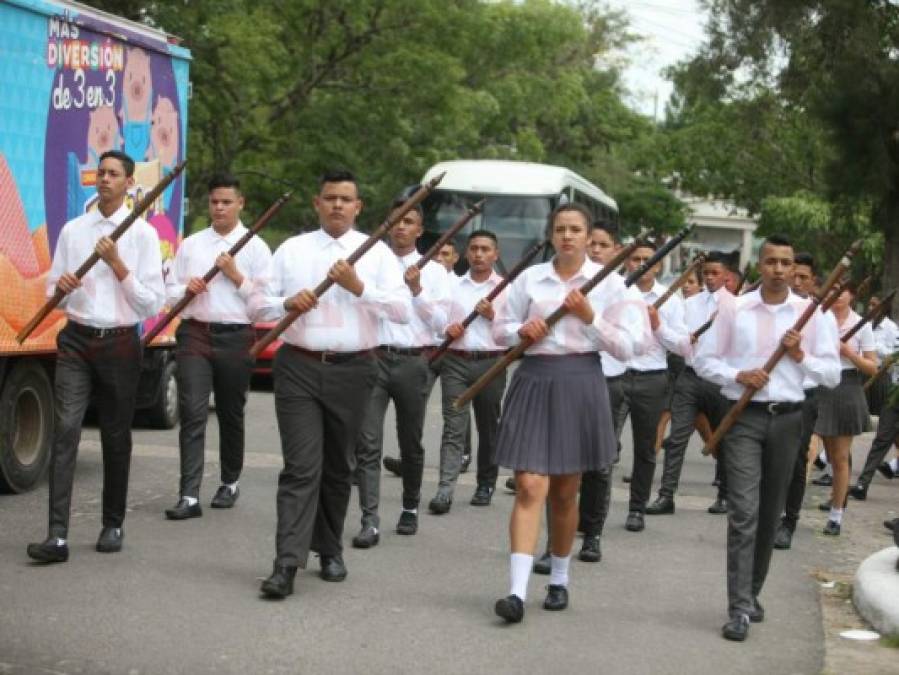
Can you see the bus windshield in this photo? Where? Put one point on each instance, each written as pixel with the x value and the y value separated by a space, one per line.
pixel 518 221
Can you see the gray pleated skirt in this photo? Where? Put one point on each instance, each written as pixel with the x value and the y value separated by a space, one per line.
pixel 556 417
pixel 843 410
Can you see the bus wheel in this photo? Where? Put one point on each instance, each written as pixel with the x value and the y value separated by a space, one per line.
pixel 163 414
pixel 26 426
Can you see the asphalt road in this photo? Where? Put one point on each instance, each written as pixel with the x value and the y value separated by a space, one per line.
pixel 183 597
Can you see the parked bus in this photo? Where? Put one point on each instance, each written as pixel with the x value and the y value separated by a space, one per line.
pixel 520 196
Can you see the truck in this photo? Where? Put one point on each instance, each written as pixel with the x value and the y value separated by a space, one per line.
pixel 76 82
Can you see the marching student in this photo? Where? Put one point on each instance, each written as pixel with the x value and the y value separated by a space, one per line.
pixel 556 420
pixel 760 445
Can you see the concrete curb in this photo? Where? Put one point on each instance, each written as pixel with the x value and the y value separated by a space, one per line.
pixel 876 591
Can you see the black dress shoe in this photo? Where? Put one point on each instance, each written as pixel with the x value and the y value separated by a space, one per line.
pixel 832 528
pixel 393 465
pixel 819 463
pixel 466 461
pixel 890 524
pixel 660 506
pixel 366 538
pixel 184 510
pixel 757 613
pixel 280 583
pixel 590 550
pixel 859 492
pixel 440 504
pixel 482 495
pixel 110 540
pixel 510 608
pixel 333 568
pixel 736 629
pixel 626 479
pixel 718 507
pixel 634 522
pixel 408 523
pixel 510 483
pixel 224 497
pixel 556 598
pixel 886 470
pixel 49 551
pixel 783 538
pixel 825 506
pixel 825 481
pixel 543 564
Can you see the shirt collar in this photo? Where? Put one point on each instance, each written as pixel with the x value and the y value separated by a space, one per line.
pixel 587 271
pixel 493 278
pixel 116 218
pixel 325 240
pixel 657 290
pixel 754 299
pixel 232 237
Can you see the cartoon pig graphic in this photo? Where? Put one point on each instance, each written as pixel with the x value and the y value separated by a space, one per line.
pixel 137 96
pixel 165 141
pixel 102 134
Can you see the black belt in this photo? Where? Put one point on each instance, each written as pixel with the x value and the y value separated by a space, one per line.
pixel 329 357
pixel 403 351
pixel 218 327
pixel 632 371
pixel 90 331
pixel 776 407
pixel 475 355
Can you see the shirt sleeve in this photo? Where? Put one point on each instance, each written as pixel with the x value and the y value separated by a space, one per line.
pixel 672 332
pixel 144 288
pixel 388 296
pixel 712 349
pixel 259 267
pixel 621 328
pixel 432 304
pixel 176 281
pixel 58 267
pixel 512 313
pixel 266 297
pixel 822 351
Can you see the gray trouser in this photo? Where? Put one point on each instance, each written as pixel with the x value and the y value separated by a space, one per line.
pixel 887 431
pixel 796 490
pixel 212 360
pixel 407 381
pixel 319 407
pixel 692 395
pixel 760 451
pixel 456 375
pixel 646 396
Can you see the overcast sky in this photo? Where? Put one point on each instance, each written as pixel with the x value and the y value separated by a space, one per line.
pixel 672 30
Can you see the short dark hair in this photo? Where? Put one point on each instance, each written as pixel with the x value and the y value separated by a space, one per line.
pixel 719 257
pixel 646 243
pixel 451 243
pixel 562 208
pixel 482 233
pixel 776 240
pixel 127 162
pixel 805 258
pixel 337 176
pixel 397 203
pixel 223 180
pixel 610 229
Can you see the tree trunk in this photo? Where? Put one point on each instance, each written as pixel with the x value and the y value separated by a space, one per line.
pixel 886 219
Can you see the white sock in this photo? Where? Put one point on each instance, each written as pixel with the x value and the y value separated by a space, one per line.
pixel 894 464
pixel 823 457
pixel 190 500
pixel 558 575
pixel 836 515
pixel 520 571
pixel 60 541
pixel 232 486
pixel 412 511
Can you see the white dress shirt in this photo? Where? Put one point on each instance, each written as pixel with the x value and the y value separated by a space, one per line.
pixel 223 302
pixel 862 341
pixel 745 334
pixel 620 325
pixel 428 308
pixel 341 322
pixel 698 309
pixel 886 335
pixel 671 335
pixel 103 301
pixel 465 293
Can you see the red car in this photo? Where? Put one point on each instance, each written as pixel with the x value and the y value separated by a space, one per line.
pixel 263 364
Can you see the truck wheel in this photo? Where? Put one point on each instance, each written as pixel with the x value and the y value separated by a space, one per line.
pixel 26 426
pixel 163 414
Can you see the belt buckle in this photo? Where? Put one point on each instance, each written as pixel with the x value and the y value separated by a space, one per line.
pixel 324 357
pixel 772 408
pixel 101 332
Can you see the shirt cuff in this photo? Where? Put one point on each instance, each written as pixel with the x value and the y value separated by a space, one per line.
pixel 245 289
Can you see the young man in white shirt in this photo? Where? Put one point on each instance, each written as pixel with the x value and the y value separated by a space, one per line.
pixel 760 445
pixel 324 373
pixel 214 339
pixel 99 350
pixel 405 378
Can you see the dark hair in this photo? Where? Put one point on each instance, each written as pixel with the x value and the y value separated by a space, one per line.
pixel 223 180
pixel 562 208
pixel 482 233
pixel 610 229
pixel 452 244
pixel 719 257
pixel 126 161
pixel 805 258
pixel 776 240
pixel 646 243
pixel 397 203
pixel 337 176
